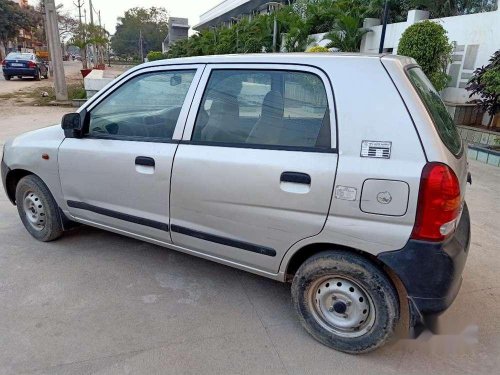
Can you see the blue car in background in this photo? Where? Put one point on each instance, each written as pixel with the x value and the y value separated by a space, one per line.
pixel 18 64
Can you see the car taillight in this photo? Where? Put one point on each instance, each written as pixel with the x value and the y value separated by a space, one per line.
pixel 4 63
pixel 31 64
pixel 438 203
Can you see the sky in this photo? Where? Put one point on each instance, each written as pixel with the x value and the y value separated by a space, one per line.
pixel 111 9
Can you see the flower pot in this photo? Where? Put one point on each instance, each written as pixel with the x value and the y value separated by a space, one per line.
pixel 85 72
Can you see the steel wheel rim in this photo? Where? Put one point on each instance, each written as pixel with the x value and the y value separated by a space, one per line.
pixel 34 210
pixel 341 306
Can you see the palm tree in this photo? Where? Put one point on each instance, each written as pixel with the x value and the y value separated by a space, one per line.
pixel 346 34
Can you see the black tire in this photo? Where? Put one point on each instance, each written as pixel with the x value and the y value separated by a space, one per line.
pixel 46 75
pixel 344 265
pixel 49 225
pixel 7 78
pixel 37 76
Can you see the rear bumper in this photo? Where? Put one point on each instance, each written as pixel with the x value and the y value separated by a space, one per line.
pixel 432 272
pixel 19 72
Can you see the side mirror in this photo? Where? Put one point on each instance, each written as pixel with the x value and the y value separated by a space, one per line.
pixel 72 124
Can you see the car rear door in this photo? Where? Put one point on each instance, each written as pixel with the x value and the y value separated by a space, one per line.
pixel 118 175
pixel 255 170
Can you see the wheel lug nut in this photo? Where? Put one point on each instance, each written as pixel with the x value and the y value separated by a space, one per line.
pixel 348 303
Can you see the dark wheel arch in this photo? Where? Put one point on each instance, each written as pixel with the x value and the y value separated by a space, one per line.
pixel 13 178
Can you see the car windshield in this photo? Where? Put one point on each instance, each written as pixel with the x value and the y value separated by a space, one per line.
pixel 435 107
pixel 19 56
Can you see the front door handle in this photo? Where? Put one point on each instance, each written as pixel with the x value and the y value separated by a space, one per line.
pixel 145 161
pixel 296 177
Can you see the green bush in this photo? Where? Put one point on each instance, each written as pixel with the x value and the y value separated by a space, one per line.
pixel 155 55
pixel 428 44
pixel 318 49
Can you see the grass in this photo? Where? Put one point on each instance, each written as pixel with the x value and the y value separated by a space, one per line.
pixel 34 96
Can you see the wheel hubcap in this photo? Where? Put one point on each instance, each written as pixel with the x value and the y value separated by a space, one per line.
pixel 342 306
pixel 34 210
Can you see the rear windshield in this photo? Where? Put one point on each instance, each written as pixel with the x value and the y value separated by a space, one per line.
pixel 19 56
pixel 440 116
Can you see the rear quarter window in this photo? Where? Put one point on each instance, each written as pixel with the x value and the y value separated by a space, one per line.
pixel 435 107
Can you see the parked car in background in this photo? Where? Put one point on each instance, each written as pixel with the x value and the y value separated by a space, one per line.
pixel 20 65
pixel 343 175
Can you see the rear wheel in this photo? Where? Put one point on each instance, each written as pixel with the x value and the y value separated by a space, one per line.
pixel 37 77
pixel 46 75
pixel 7 78
pixel 37 209
pixel 346 302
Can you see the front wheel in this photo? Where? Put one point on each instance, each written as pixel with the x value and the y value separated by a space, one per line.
pixel 7 78
pixel 37 209
pixel 346 302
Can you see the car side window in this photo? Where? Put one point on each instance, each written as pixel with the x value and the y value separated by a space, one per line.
pixel 145 108
pixel 264 107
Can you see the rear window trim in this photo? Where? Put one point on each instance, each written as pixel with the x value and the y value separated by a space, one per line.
pixel 406 69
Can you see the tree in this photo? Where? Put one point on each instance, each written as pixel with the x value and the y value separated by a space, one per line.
pixel 67 25
pixel 14 18
pixel 447 8
pixel 152 23
pixel 81 39
pixel 485 82
pixel 428 44
pixel 346 33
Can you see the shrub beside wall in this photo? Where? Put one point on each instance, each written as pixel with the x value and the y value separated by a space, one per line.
pixel 428 44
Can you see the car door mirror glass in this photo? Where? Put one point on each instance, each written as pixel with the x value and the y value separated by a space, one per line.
pixel 72 124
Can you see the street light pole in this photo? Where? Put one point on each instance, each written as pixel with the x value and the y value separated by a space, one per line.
pixel 384 26
pixel 55 50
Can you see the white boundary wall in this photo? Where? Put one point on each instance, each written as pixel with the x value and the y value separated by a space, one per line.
pixel 476 38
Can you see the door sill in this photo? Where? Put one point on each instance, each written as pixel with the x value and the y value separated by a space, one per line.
pixel 275 276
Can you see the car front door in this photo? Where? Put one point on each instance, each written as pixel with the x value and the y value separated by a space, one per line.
pixel 255 171
pixel 117 175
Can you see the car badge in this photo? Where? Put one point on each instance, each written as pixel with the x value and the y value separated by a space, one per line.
pixel 384 197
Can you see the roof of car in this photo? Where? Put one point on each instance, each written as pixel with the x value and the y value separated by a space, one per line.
pixel 263 58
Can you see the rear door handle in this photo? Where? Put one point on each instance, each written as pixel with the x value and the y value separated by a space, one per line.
pixel 296 177
pixel 145 161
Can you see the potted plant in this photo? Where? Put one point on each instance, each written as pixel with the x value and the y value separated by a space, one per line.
pixel 81 40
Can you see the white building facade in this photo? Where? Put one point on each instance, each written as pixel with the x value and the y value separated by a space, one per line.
pixel 230 11
pixel 476 38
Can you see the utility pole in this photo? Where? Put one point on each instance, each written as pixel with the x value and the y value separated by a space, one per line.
pixel 79 4
pixel 92 47
pixel 87 56
pixel 275 33
pixel 141 50
pixel 384 26
pixel 55 50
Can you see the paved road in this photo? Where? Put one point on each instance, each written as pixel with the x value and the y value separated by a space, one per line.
pixel 97 302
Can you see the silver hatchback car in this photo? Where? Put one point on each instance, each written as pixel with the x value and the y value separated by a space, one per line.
pixel 342 174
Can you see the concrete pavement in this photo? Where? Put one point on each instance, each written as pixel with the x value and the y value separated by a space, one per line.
pixel 96 302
